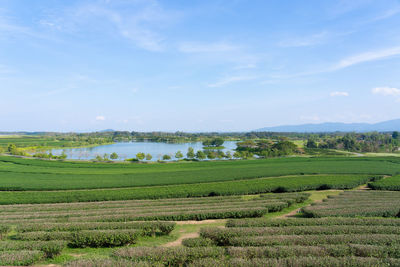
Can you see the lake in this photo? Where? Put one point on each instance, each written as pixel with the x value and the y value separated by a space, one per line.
pixel 127 150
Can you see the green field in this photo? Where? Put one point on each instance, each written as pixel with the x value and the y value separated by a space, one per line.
pixel 389 183
pixel 30 174
pixel 75 213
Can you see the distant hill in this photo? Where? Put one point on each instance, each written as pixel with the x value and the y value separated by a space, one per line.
pixel 385 126
pixel 106 131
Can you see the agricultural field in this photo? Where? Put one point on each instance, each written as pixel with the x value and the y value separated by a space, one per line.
pixel 389 183
pixel 43 231
pixel 358 203
pixel 218 213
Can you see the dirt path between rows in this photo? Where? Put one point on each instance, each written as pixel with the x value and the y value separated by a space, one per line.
pixel 178 242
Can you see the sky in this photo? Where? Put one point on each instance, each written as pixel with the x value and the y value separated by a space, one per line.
pixel 200 65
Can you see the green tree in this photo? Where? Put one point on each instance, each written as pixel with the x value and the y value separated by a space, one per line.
pixel 105 157
pixel 166 157
pixel 178 155
pixel 99 158
pixel 200 155
pixel 114 155
pixel 395 135
pixel 148 156
pixel 140 156
pixel 190 154
pixel 228 155
pixel 311 143
pixel 237 155
pixel 63 155
pixel 211 155
pixel 12 148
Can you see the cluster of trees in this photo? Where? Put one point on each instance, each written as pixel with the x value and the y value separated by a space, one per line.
pixel 357 142
pixel 50 156
pixel 214 142
pixel 190 155
pixel 268 148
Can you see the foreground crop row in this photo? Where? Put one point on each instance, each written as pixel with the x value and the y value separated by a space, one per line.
pixel 358 203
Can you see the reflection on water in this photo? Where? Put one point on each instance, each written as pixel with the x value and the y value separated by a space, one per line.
pixel 127 150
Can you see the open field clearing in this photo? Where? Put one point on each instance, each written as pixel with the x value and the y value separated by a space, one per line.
pixel 29 174
pixel 358 203
pixel 240 187
pixel 389 183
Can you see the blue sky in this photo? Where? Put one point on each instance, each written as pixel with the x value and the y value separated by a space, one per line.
pixel 207 65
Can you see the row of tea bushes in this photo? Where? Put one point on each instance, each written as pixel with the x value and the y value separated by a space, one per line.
pixel 147 228
pixel 357 203
pixel 140 210
pixel 21 257
pixel 389 183
pixel 226 188
pixel 260 222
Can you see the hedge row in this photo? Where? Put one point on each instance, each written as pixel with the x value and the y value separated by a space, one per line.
pixel 177 256
pixel 390 183
pixel 222 213
pixel 86 238
pixel 260 222
pixel 258 262
pixel 239 187
pixel 298 262
pixel 150 203
pixel 310 240
pixel 109 238
pixel 315 251
pixel 50 248
pixel 218 233
pixel 21 258
pixel 352 203
pixel 272 205
pixel 147 228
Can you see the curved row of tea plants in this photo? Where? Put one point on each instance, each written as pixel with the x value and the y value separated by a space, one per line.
pixel 389 183
pixel 241 187
pixel 20 174
pixel 358 203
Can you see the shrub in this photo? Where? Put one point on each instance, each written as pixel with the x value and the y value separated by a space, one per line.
pixel 197 242
pixel 177 256
pixel 109 238
pixel 14 258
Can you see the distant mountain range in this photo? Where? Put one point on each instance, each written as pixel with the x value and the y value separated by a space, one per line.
pixel 385 126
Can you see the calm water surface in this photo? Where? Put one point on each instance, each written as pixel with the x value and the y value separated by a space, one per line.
pixel 127 150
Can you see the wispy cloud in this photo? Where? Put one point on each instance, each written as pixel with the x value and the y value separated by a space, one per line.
pixel 193 47
pixel 338 93
pixel 386 91
pixel 231 79
pixel 310 40
pixel 139 21
pixel 366 57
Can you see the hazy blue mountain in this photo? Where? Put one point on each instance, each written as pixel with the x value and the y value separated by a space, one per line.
pixel 385 126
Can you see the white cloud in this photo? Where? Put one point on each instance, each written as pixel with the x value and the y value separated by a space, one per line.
pixel 368 56
pixel 190 47
pixel 337 93
pixel 140 22
pixel 386 91
pixel 100 118
pixel 231 79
